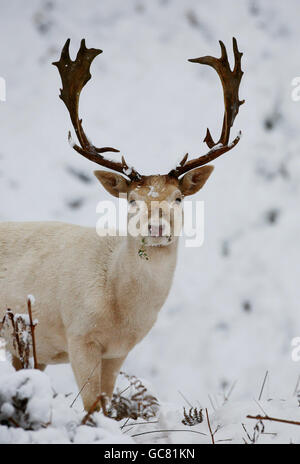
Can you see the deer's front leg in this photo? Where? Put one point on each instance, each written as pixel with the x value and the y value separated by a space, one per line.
pixel 110 370
pixel 86 361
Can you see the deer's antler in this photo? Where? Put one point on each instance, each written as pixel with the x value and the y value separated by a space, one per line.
pixel 74 76
pixel 230 83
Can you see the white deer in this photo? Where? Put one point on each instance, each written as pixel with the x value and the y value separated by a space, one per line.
pixel 96 297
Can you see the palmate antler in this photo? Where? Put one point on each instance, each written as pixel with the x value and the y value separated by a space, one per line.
pixel 74 76
pixel 230 82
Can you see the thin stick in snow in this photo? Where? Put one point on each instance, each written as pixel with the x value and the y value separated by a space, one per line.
pixel 297 386
pixel 212 435
pixel 263 385
pixel 32 327
pixel 274 419
pixel 185 399
pixel 169 431
pixel 85 384
pixel 92 409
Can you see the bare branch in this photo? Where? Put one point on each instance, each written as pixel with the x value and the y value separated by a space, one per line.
pixel 32 328
pixel 263 385
pixel 274 419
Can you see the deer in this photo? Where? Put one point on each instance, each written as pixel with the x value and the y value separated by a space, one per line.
pixel 96 298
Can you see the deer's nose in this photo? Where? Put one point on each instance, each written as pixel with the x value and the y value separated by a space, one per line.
pixel 156 231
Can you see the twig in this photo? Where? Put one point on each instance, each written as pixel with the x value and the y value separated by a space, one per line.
pixel 85 384
pixel 138 423
pixel 128 430
pixel 91 410
pixel 32 327
pixel 125 389
pixel 257 430
pixel 297 385
pixel 185 399
pixel 128 418
pixel 20 343
pixel 260 407
pixel 211 402
pixel 16 337
pixel 246 431
pixel 161 431
pixel 263 385
pixel 209 427
pixel 226 397
pixel 125 423
pixel 14 422
pixel 274 419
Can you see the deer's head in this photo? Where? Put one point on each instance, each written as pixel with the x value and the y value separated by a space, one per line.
pixel 157 197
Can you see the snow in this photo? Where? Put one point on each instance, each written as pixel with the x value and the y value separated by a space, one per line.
pixel 31 298
pixel 31 386
pixel 216 147
pixel 127 171
pixel 25 319
pixel 234 306
pixel 28 400
pixel 42 416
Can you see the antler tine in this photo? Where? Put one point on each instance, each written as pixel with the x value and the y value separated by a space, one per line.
pixel 74 76
pixel 230 82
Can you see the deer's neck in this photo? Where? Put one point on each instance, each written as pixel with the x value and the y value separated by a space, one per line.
pixel 143 282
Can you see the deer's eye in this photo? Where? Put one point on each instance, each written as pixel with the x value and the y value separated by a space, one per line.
pixel 132 202
pixel 178 200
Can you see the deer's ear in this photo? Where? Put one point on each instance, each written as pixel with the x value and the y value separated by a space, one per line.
pixel 113 183
pixel 194 180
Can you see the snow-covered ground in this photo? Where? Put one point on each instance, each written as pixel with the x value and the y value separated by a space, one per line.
pixel 234 306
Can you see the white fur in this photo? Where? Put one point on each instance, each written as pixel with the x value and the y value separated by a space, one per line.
pixel 95 297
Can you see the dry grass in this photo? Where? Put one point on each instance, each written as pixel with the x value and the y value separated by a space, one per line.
pixel 20 329
pixel 193 417
pixel 139 404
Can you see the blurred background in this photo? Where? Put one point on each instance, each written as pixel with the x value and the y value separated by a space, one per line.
pixel 234 306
